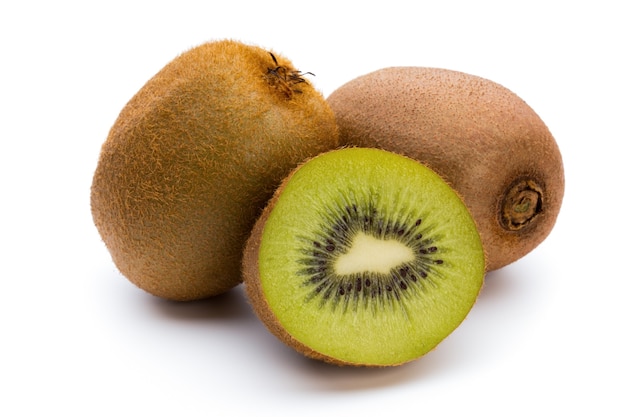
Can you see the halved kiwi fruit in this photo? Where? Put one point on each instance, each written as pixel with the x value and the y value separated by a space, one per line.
pixel 193 158
pixel 482 138
pixel 363 257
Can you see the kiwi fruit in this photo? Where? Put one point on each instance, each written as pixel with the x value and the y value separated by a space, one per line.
pixel 483 139
pixel 192 160
pixel 363 257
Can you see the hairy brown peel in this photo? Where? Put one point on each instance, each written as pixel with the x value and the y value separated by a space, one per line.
pixel 482 138
pixel 192 159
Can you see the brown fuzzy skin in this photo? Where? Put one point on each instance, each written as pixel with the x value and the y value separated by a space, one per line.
pixel 193 158
pixel 479 136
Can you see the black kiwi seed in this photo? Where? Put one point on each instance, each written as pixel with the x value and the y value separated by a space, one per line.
pixel 343 222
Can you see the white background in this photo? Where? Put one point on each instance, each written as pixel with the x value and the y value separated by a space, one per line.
pixel 545 338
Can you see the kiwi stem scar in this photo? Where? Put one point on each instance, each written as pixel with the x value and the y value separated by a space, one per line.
pixel 521 205
pixel 284 78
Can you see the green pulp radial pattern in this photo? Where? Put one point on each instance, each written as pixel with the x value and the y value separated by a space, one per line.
pixel 369 257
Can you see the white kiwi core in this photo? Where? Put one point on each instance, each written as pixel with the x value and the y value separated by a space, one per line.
pixel 370 254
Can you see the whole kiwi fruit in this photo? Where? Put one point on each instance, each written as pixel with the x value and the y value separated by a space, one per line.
pixel 363 257
pixel 192 159
pixel 479 136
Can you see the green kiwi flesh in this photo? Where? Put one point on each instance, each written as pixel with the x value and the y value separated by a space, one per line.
pixel 478 135
pixel 363 257
pixel 193 158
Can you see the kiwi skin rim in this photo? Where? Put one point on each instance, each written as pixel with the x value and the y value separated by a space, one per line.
pixel 254 290
pixel 255 294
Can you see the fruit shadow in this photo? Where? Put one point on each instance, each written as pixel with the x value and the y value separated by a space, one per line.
pixel 323 377
pixel 307 374
pixel 515 284
pixel 498 284
pixel 229 306
pixel 302 373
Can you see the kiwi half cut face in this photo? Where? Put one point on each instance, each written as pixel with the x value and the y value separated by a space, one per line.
pixel 364 257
